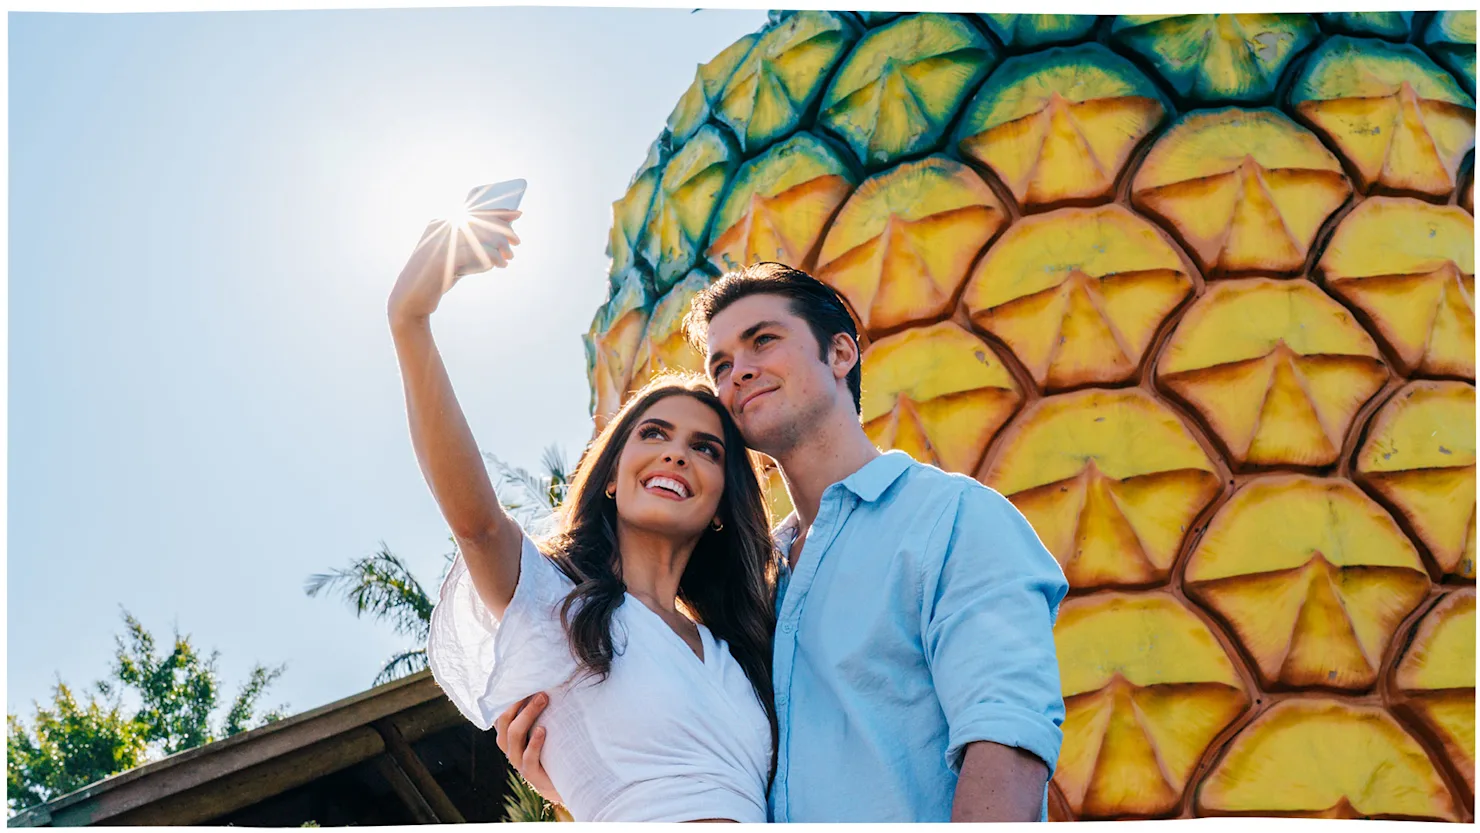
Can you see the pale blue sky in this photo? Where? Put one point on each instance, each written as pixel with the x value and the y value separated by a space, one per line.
pixel 206 214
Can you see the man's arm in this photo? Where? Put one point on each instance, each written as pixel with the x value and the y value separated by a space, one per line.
pixel 999 783
pixel 991 596
pixel 522 742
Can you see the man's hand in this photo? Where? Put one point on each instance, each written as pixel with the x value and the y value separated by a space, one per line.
pixel 999 783
pixel 521 742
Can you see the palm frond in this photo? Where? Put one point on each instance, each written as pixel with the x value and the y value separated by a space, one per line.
pixel 531 499
pixel 558 474
pixel 523 804
pixel 447 560
pixel 401 665
pixel 528 488
pixel 382 586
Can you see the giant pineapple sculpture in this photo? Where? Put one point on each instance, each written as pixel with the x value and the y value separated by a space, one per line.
pixel 1196 292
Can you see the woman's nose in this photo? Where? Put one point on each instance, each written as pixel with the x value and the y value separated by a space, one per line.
pixel 675 459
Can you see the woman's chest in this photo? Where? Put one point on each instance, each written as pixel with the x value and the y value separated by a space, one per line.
pixel 671 697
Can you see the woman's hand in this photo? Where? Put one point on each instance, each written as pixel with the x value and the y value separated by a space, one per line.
pixel 447 252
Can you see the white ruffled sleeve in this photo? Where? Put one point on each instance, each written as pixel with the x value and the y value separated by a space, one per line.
pixel 486 664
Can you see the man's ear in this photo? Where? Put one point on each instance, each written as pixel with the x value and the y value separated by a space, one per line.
pixel 845 355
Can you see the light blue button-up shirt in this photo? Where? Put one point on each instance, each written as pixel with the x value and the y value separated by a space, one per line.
pixel 919 619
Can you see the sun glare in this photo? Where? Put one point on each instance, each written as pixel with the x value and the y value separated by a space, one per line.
pixel 440 179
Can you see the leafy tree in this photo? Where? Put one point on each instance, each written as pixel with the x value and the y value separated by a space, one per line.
pixel 70 744
pixel 180 690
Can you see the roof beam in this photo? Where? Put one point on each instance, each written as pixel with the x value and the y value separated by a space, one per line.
pixel 425 785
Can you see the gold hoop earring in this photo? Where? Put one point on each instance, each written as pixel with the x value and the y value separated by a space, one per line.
pixel 717 525
pixel 611 493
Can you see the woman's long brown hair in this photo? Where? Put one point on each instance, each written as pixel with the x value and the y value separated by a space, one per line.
pixel 730 580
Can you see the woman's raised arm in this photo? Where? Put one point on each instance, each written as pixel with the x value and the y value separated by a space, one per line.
pixel 449 457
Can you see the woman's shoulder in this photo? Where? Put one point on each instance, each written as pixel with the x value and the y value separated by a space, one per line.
pixel 547 568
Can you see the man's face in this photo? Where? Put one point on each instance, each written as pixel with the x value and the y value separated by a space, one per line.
pixel 766 365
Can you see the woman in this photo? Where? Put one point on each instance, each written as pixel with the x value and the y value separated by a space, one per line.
pixel 647 615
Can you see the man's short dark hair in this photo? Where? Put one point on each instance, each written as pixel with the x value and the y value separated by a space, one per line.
pixel 813 301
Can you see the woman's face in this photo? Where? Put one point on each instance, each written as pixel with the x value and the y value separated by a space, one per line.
pixel 671 472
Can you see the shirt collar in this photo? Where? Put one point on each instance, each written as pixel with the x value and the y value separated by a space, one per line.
pixel 868 483
pixel 877 475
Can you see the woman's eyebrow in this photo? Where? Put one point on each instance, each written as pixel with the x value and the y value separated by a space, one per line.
pixel 668 426
pixel 704 435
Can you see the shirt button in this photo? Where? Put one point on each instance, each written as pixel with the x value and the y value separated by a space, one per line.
pixel 787 628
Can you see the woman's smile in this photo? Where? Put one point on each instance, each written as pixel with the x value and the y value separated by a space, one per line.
pixel 668 486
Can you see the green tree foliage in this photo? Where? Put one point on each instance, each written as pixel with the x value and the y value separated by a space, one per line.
pixel 69 745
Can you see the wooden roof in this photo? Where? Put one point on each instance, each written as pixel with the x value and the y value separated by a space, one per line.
pixel 376 743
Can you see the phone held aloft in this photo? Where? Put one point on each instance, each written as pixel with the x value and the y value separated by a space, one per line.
pixel 500 196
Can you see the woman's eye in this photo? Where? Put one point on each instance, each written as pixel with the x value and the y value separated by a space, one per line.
pixel 649 433
pixel 706 448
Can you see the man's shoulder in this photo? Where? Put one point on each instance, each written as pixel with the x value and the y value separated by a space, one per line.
pixel 924 478
pixel 955 504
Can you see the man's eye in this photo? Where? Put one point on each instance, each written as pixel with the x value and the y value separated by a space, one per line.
pixel 762 339
pixel 721 368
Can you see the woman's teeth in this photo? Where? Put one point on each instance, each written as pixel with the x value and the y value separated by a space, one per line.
pixel 668 484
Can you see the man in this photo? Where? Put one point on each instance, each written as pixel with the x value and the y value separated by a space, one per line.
pixel 914 665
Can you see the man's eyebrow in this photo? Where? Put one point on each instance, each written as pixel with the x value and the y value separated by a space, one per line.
pixel 757 327
pixel 748 334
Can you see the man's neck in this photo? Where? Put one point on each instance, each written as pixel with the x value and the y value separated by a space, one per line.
pixel 827 455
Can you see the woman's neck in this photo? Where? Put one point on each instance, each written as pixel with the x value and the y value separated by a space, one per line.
pixel 653 565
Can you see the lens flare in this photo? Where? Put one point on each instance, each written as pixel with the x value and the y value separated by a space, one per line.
pixel 456 226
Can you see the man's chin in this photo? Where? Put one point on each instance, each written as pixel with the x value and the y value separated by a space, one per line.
pixel 763 434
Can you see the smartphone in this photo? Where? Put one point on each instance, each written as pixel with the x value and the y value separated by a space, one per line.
pixel 500 196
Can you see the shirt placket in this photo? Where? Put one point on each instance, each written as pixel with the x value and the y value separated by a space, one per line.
pixel 831 513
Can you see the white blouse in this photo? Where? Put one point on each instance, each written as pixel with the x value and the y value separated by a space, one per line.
pixel 666 737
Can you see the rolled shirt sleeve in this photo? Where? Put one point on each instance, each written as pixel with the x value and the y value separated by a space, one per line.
pixel 991 595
